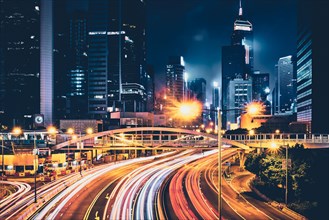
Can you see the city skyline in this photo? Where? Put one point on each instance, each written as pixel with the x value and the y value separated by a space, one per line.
pixel 164 109
pixel 200 30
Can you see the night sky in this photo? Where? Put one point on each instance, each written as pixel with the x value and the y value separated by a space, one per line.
pixel 197 29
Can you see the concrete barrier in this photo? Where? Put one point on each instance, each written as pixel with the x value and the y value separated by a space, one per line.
pixel 28 212
pixel 277 205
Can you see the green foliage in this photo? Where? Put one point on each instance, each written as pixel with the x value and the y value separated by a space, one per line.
pixel 306 182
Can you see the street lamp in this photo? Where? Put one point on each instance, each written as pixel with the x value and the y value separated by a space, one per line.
pixel 70 131
pixel 89 132
pixel 3 156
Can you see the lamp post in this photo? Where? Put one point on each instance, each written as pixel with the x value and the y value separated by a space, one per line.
pixel 286 192
pixel 35 166
pixel 89 132
pixel 219 141
pixel 80 146
pixel 3 164
pixel 70 131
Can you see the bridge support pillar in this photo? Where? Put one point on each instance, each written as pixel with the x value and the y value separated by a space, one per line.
pixel 242 159
pixel 260 150
pixel 154 152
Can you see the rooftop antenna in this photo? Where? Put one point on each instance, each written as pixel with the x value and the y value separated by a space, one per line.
pixel 240 9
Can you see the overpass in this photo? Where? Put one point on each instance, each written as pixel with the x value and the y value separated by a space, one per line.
pixel 165 138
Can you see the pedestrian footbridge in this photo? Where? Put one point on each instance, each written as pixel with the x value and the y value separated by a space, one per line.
pixel 310 141
pixel 149 138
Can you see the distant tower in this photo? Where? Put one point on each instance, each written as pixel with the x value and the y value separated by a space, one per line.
pixel 260 86
pixel 239 93
pixel 243 35
pixel 77 72
pixel 286 84
pixel 198 89
pixel 237 59
pixel 215 95
pixel 175 78
pixel 46 61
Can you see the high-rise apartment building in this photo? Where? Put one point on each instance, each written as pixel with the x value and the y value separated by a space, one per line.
pixel 19 60
pixel 76 106
pixel 116 57
pixel 312 65
pixel 175 78
pixel 286 82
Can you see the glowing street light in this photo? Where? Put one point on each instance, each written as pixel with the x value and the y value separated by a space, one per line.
pixel 89 131
pixel 252 132
pixel 189 110
pixel 254 108
pixel 70 131
pixel 17 131
pixel 51 130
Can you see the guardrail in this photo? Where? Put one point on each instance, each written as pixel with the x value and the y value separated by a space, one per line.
pixel 298 138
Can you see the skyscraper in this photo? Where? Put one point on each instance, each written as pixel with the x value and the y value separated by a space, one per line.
pixel 150 89
pixel 239 93
pixel 286 81
pixel 215 95
pixel 77 66
pixel 116 57
pixel 243 35
pixel 175 78
pixel 237 59
pixel 260 86
pixel 198 89
pixel 19 60
pixel 312 65
pixel 46 61
pixel 233 66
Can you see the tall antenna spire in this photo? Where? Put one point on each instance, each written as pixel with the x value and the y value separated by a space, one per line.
pixel 240 9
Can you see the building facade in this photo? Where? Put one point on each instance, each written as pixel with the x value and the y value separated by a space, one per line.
pixel 312 67
pixel 76 105
pixel 198 89
pixel 260 86
pixel 239 94
pixel 286 82
pixel 19 60
pixel 175 70
pixel 116 57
